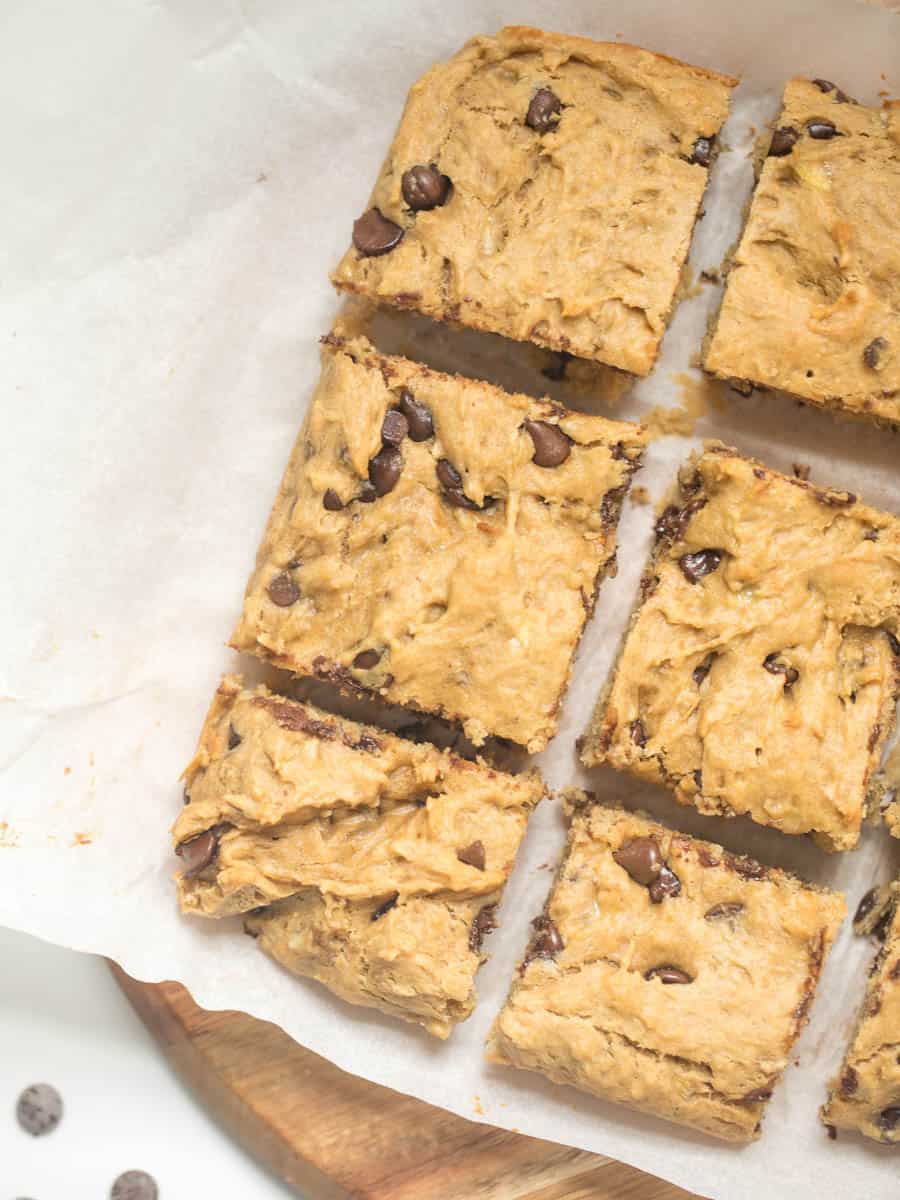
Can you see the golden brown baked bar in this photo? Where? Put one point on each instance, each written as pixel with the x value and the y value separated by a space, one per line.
pixel 666 973
pixel 760 671
pixel 439 541
pixel 812 302
pixel 865 1097
pixel 544 187
pixel 382 860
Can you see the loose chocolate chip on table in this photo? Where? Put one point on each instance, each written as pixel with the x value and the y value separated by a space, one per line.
pixel 385 470
pixel 386 906
pixel 424 187
pixel 394 427
pixel 39 1109
pixel 701 562
pixel 551 446
pixel 134 1185
pixel 374 234
pixel 367 659
pixel 234 738
pixel 703 150
pixel 546 942
pixel 283 590
pixel 865 905
pixel 472 856
pixel 198 852
pixel 641 858
pixel 668 974
pixel 485 921
pixel 418 416
pixel 543 111
pixel 820 130
pixel 774 665
pixel 783 141
pixel 873 352
pixel 332 500
pixel 724 912
pixel 889 1119
pixel 667 883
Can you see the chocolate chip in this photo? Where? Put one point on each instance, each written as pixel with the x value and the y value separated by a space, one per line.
pixel 418 416
pixel 283 590
pixel 820 130
pixel 641 858
pixel 668 974
pixel 783 141
pixel 557 369
pixel 447 474
pixel 873 352
pixel 638 736
pixel 385 469
pixel 424 187
pixel 134 1185
pixel 551 446
pixel 367 494
pixel 546 942
pixel 824 85
pixel 234 738
pixel 332 500
pixel 849 1082
pixel 673 521
pixel 543 111
pixel 757 1094
pixel 198 852
pixel 485 921
pixel 394 427
pixel 374 234
pixel 748 868
pixel 367 659
pixel 775 666
pixel 889 1119
pixel 385 907
pixel 39 1109
pixel 703 151
pixel 893 642
pixel 472 856
pixel 701 562
pixel 865 905
pixel 724 912
pixel 667 884
pixel 701 671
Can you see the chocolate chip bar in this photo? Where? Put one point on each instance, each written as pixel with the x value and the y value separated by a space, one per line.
pixel 865 1097
pixel 545 188
pixel 440 542
pixel 811 305
pixel 760 671
pixel 371 863
pixel 666 974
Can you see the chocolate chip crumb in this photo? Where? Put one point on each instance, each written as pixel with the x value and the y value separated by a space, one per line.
pixel 783 141
pixel 748 868
pixel 485 921
pixel 543 111
pixel 473 856
pixel 374 234
pixel 700 563
pixel 385 907
pixel 849 1082
pixel 283 590
pixel 39 1109
pixel 424 187
pixel 668 974
pixel 134 1185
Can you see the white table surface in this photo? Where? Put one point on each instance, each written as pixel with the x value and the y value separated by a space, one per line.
pixel 63 1021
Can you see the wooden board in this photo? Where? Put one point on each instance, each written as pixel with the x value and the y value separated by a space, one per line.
pixel 335 1137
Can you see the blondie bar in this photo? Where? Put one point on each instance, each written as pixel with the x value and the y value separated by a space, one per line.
pixel 382 859
pixel 544 187
pixel 439 541
pixel 812 304
pixel 760 672
pixel 666 973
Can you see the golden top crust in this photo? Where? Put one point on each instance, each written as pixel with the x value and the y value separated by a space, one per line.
pixel 572 235
pixel 760 672
pixel 747 941
pixel 467 599
pixel 812 303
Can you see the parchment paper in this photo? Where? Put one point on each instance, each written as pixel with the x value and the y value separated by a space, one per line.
pixel 180 178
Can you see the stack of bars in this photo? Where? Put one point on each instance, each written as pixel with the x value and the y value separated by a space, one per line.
pixel 438 543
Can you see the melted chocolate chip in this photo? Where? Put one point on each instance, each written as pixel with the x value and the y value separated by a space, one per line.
pixel 775 666
pixel 385 470
pixel 667 884
pixel 332 501
pixel 893 642
pixel 234 738
pixel 701 562
pixel 783 141
pixel 821 130
pixel 374 234
pixel 451 482
pixel 39 1109
pixel 701 671
pixel 485 921
pixel 385 907
pixel 283 590
pixel 873 352
pixel 418 416
pixel 638 736
pixel 134 1185
pixel 757 1094
pixel 748 868
pixel 551 446
pixel 641 858
pixel 849 1082
pixel 865 905
pixel 824 85
pixel 889 1120
pixel 424 187
pixel 367 494
pixel 668 974
pixel 198 852
pixel 394 427
pixel 702 154
pixel 543 111
pixel 367 659
pixel 546 942
pixel 673 521
pixel 472 856
pixel 726 911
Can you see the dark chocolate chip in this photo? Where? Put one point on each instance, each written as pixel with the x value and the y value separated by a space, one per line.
pixel 668 974
pixel 775 666
pixel 332 500
pixel 447 474
pixel 865 905
pixel 746 867
pixel 705 858
pixel 701 671
pixel 873 352
pixel 374 234
pixel 557 369
pixel 849 1082
pixel 783 141
pixel 198 852
pixel 39 1109
pixel 418 416
pixel 424 187
pixel 824 85
pixel 821 130
pixel 367 659
pixel 543 111
pixel 386 906
pixel 702 154
pixel 472 856
pixel 546 942
pixel 485 921
pixel 667 884
pixel 283 590
pixel 367 494
pixel 385 469
pixel 893 642
pixel 134 1185
pixel 889 1119
pixel 880 929
pixel 234 738
pixel 641 858
pixel 673 521
pixel 551 446
pixel 394 427
pixel 638 736
pixel 701 562
pixel 724 912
